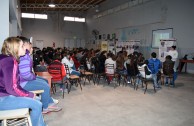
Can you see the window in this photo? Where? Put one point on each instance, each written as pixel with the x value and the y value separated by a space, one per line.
pixel 27 15
pixel 76 19
pixel 37 16
pixel 159 34
pixel 41 16
pixel 66 18
pixel 79 19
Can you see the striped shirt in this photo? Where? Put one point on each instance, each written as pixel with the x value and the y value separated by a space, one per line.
pixel 25 69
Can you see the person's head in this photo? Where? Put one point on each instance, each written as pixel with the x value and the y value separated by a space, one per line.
pixel 146 62
pixel 173 47
pixel 109 55
pixel 13 46
pixel 153 55
pixel 57 57
pixel 71 54
pixel 168 57
pixel 27 43
pixel 66 54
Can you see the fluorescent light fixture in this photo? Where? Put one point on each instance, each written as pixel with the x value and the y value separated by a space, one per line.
pixel 79 19
pixel 41 16
pixel 27 15
pixel 52 5
pixel 66 18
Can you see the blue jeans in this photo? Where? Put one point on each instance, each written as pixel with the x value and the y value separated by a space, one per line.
pixel 73 67
pixel 154 77
pixel 12 102
pixel 41 78
pixel 138 81
pixel 40 84
pixel 75 73
pixel 62 86
pixel 174 78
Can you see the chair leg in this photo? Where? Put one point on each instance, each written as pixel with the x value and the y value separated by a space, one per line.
pixel 93 79
pixel 136 87
pixel 69 87
pixel 89 77
pixel 162 80
pixel 80 84
pixel 29 120
pixel 146 87
pixel 98 78
pixel 85 80
pixel 4 122
pixel 134 84
pixel 52 88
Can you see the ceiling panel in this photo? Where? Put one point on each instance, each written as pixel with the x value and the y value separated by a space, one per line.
pixel 61 5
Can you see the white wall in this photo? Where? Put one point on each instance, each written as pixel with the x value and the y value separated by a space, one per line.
pixel 54 29
pixel 4 21
pixel 156 14
pixel 10 24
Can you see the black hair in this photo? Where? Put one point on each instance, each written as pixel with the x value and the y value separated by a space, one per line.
pixel 24 39
pixel 168 57
pixel 57 57
pixel 153 55
pixel 109 55
pixel 174 47
pixel 146 62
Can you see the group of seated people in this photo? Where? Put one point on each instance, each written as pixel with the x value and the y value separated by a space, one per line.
pixel 17 78
pixel 124 64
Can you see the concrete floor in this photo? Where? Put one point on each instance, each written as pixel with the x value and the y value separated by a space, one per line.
pixel 123 106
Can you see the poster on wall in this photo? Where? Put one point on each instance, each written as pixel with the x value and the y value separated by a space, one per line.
pixel 40 44
pixel 111 46
pixel 134 46
pixel 104 45
pixel 165 45
pixel 119 46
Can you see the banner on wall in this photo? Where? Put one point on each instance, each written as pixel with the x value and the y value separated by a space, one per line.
pixel 165 45
pixel 129 46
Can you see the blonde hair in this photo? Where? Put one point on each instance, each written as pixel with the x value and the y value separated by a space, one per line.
pixel 11 47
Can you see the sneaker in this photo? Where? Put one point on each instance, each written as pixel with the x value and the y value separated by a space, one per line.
pixel 51 109
pixel 55 101
pixel 128 82
pixel 158 87
pixel 65 90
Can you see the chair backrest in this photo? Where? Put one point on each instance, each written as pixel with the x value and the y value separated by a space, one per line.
pixel 88 65
pixel 132 70
pixel 109 69
pixel 141 70
pixel 168 68
pixel 67 69
pixel 144 71
pixel 96 63
pixel 55 70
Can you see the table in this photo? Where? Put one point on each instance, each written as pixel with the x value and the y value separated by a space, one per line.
pixel 184 61
pixel 45 75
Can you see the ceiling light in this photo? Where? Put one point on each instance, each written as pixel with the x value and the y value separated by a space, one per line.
pixel 51 4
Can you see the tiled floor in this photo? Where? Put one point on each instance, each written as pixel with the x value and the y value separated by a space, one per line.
pixel 103 105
